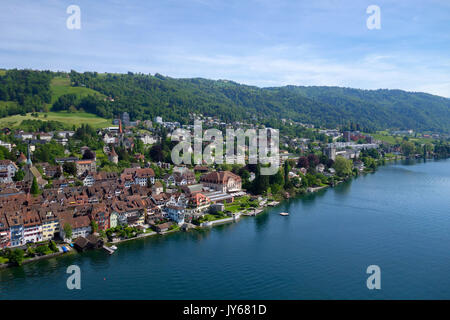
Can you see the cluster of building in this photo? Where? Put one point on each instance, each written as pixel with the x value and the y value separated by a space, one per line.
pixel 135 198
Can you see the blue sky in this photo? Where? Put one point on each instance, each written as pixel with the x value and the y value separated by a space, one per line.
pixel 257 42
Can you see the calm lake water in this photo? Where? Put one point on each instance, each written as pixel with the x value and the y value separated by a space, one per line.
pixel 397 218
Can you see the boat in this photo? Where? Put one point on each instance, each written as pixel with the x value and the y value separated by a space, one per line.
pixel 284 213
pixel 114 247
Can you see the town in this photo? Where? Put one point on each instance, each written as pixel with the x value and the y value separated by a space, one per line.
pixel 87 188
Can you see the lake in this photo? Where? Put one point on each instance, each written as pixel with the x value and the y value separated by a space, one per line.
pixel 397 218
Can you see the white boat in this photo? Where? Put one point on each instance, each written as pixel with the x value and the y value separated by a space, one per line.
pixel 113 247
pixel 284 213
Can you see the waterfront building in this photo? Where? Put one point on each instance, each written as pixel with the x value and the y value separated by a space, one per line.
pixel 224 181
pixel 5 234
pixel 15 222
pixel 81 225
pixel 32 227
pixel 50 224
pixel 176 213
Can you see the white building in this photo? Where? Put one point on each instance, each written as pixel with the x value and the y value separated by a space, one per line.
pixel 7 170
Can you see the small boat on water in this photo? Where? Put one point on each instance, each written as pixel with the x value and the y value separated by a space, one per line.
pixel 114 247
pixel 284 213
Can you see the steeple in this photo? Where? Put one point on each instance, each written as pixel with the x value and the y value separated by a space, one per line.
pixel 29 162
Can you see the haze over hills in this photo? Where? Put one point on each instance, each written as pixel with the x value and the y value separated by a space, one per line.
pixel 147 96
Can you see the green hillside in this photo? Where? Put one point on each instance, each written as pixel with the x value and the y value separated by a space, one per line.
pixel 69 119
pixel 146 96
pixel 61 85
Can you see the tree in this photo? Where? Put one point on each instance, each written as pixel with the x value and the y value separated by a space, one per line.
pixel 52 246
pixel 88 155
pixel 343 166
pixel 34 187
pixel 70 168
pixel 303 162
pixel 277 178
pixel 407 148
pixel 261 182
pixel 68 230
pixel 42 250
pixel 16 256
pixel 94 226
pixel 19 175
pixel 287 181
pixel 313 160
pixel 156 153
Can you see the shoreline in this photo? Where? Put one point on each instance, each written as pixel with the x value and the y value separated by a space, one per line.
pixel 233 219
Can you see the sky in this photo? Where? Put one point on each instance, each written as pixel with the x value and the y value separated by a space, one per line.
pixel 256 42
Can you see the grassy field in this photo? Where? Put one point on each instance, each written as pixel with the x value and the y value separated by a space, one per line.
pixel 67 118
pixel 384 136
pixel 61 85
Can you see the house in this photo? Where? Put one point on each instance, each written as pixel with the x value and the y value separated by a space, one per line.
pixel 201 169
pixel 200 201
pixel 192 189
pixel 44 136
pixel 224 181
pixel 32 227
pixel 5 235
pixel 7 171
pixel 15 222
pixel 157 188
pixel 162 227
pixel 148 139
pixel 7 145
pixel 22 158
pixel 51 171
pixel 142 176
pixel 65 134
pixel 89 242
pixel 81 225
pixel 100 215
pixel 103 176
pixel 109 139
pixel 50 224
pixel 88 179
pixel 320 168
pixel 114 219
pixel 64 160
pixel 85 166
pixel 24 135
pixel 169 179
pixel 184 178
pixel 160 199
pixel 176 213
pixel 113 157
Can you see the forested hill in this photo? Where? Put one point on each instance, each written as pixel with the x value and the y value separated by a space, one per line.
pixel 146 96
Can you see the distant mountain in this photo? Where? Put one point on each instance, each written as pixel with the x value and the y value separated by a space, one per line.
pixel 147 96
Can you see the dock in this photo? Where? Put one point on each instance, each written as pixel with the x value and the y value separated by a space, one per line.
pixel 108 249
